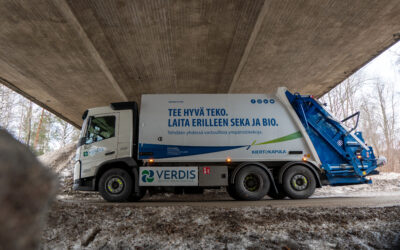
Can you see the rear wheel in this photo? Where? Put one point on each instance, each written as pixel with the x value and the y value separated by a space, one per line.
pixel 251 183
pixel 115 185
pixel 299 182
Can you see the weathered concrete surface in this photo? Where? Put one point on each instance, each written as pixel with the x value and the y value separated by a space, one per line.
pixel 70 55
pixel 26 191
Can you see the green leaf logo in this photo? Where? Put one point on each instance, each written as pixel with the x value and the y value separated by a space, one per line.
pixel 147 175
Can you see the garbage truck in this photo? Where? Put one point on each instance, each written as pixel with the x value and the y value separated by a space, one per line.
pixel 253 145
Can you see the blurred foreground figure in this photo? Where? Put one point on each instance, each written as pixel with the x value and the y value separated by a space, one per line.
pixel 27 188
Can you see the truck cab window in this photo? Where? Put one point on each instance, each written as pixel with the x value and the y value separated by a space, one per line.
pixel 100 128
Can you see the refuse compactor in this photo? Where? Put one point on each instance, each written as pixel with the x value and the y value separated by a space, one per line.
pixel 251 144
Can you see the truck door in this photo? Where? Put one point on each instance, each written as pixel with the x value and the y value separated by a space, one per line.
pixel 101 141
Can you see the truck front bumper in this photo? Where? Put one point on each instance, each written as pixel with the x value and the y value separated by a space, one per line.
pixel 84 184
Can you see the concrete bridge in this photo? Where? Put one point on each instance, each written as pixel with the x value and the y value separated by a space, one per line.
pixel 70 55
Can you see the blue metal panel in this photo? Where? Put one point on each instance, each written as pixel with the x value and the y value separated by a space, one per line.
pixel 335 146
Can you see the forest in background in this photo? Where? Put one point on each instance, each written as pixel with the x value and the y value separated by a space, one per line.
pixel 32 125
pixel 378 103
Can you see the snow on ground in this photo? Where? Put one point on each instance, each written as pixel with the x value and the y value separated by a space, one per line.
pixel 74 225
pixel 382 183
pixel 62 161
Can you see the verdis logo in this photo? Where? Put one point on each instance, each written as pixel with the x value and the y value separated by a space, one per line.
pixel 147 175
pixel 169 176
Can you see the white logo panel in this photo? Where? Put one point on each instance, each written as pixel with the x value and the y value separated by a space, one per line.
pixel 168 176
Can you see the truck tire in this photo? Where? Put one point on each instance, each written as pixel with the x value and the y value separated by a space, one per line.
pixel 116 185
pixel 299 182
pixel 251 183
pixel 137 197
pixel 277 196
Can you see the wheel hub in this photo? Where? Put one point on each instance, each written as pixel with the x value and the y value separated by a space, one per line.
pixel 115 185
pixel 299 182
pixel 251 182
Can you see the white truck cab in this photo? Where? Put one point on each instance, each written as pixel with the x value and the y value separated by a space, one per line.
pixel 107 139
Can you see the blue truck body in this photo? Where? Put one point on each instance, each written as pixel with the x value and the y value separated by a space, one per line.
pixel 345 157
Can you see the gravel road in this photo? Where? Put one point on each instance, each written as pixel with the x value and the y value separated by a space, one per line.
pixel 367 200
pixel 207 225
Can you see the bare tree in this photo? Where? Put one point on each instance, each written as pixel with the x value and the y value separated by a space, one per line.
pixel 38 129
pixel 32 125
pixel 28 124
pixel 6 107
pixel 65 132
pixel 368 123
pixel 342 100
pixel 377 102
pixel 387 104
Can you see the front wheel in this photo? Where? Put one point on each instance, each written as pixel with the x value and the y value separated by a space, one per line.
pixel 115 185
pixel 299 182
pixel 251 183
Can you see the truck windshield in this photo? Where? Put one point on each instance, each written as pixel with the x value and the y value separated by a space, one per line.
pixel 100 128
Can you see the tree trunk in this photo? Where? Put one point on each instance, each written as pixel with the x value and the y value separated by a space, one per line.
pixel 29 121
pixel 38 130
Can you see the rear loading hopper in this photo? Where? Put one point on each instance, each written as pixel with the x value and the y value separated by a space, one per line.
pixel 344 156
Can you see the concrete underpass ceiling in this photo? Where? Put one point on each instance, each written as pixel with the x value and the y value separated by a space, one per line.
pixel 68 56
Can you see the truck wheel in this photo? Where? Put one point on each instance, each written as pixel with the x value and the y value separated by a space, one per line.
pixel 115 185
pixel 251 183
pixel 137 197
pixel 277 196
pixel 299 182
